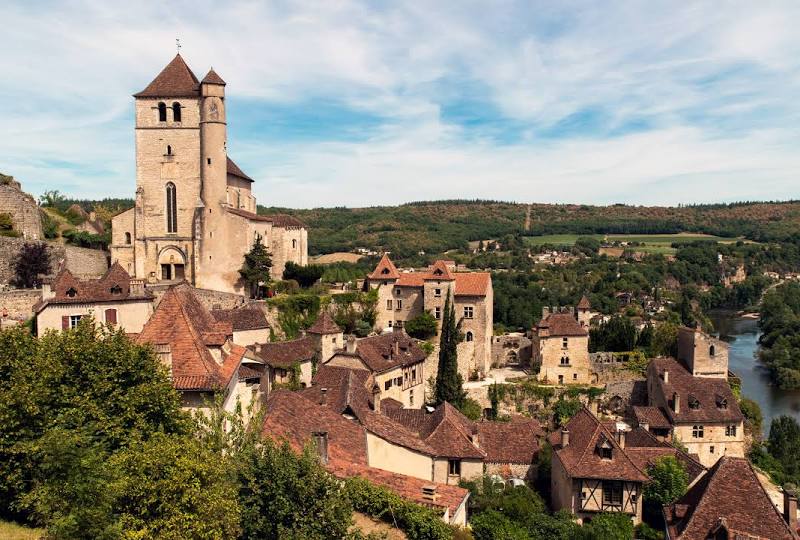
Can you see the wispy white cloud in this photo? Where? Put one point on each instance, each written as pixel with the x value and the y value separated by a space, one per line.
pixel 656 102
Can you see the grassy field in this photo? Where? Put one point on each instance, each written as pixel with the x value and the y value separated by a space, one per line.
pixel 653 243
pixel 12 531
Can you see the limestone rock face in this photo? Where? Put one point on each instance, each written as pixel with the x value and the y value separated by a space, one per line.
pixel 21 207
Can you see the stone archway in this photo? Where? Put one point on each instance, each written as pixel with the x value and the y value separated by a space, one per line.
pixel 171 264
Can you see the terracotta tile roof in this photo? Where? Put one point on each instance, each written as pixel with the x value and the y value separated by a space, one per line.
pixel 445 430
pixel 394 432
pixel 184 324
pixel 439 271
pixel 644 449
pixel 278 220
pixel 347 390
pixel 292 417
pixel 234 170
pixel 175 80
pixel 562 324
pixel 113 286
pixel 283 354
pixel 707 392
pixel 730 491
pixel 246 372
pixel 385 269
pixel 212 78
pixel 472 283
pixel 653 416
pixel 411 279
pixel 246 318
pixel 324 325
pixel 583 303
pixel 516 441
pixel 581 458
pixel 388 351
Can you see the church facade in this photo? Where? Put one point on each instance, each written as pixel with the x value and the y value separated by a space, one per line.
pixel 194 217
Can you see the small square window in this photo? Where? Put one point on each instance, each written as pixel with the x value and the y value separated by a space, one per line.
pixel 454 467
pixel 468 312
pixel 74 320
pixel 437 313
pixel 387 385
pixel 437 293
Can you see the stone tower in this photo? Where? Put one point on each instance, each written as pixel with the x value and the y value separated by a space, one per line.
pixel 703 355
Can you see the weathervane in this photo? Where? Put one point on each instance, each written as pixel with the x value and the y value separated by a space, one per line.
pixel 178 44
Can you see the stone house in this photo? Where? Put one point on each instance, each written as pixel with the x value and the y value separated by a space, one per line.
pixel 342 446
pixel 693 395
pixel 511 349
pixel 249 324
pixel 405 295
pixel 394 360
pixel 560 347
pixel 195 214
pixel 730 502
pixel 598 467
pixel 114 299
pixel 200 354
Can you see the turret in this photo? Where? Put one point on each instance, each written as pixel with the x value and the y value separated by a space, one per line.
pixel 213 136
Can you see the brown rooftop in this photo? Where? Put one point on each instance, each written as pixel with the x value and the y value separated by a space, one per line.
pixel 234 170
pixel 284 354
pixel 324 325
pixel 385 269
pixel 113 286
pixel 175 80
pixel 562 324
pixel 212 78
pixel 278 220
pixel 388 351
pixel 246 318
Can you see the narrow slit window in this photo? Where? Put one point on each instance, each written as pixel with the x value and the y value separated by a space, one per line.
pixel 162 112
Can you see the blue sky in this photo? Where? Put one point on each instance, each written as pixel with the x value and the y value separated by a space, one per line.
pixel 347 103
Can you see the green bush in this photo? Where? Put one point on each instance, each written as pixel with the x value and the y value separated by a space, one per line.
pixel 306 276
pixel 471 409
pixel 423 326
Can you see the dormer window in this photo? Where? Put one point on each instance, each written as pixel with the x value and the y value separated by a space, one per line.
pixel 385 271
pixel 604 449
pixel 116 290
pixel 71 292
pixel 722 402
pixel 437 272
pixel 694 403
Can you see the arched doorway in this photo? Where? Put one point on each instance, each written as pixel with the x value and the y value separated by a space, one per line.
pixel 172 264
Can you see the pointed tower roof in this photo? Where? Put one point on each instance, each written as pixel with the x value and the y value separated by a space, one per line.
pixel 324 325
pixel 212 78
pixel 440 271
pixel 584 303
pixel 385 269
pixel 175 80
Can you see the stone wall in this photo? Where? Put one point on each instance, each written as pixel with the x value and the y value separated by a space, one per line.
pixel 17 304
pixel 80 261
pixel 210 299
pixel 23 210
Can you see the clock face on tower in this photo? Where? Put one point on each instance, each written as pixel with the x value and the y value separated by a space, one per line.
pixel 213 110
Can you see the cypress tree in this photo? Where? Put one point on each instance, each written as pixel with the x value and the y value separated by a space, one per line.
pixel 448 380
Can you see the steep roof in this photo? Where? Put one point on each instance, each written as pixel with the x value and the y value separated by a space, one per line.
pixel 445 430
pixel 388 351
pixel 562 324
pixel 175 80
pixel 183 323
pixel 234 170
pixel 644 449
pixel 278 220
pixel 654 417
pixel 346 389
pixel 246 318
pixel 324 325
pixel 584 303
pixel 581 458
pixel 729 495
pixel 439 271
pixel 714 397
pixel 212 78
pixel 516 441
pixel 113 286
pixel 385 269
pixel 283 354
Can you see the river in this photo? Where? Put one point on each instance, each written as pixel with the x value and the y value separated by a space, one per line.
pixel 742 336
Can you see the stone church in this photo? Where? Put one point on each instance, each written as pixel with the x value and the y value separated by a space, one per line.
pixel 195 212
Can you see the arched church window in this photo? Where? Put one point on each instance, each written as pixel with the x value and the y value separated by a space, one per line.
pixel 127 238
pixel 162 112
pixel 469 336
pixel 176 112
pixel 172 208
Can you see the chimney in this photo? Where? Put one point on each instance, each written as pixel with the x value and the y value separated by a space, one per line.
pixel 47 288
pixel 376 398
pixel 475 438
pixel 665 376
pixel 395 345
pixel 136 287
pixel 676 403
pixel 593 406
pixel 429 492
pixel 564 437
pixel 321 442
pixel 323 396
pixel 350 346
pixel 621 438
pixel 258 347
pixel 790 506
pixel 545 312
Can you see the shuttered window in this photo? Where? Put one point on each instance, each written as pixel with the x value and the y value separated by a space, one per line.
pixel 111 316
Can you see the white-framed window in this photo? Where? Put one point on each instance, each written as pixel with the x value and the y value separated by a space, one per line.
pixel 468 312
pixel 437 313
pixel 698 431
pixel 730 431
pixel 74 320
pixel 399 304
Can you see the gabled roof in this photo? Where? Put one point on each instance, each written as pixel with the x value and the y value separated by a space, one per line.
pixel 284 354
pixel 113 286
pixel 175 80
pixel 516 441
pixel 278 220
pixel 346 389
pixel 387 351
pixel 245 318
pixel 385 269
pixel 324 325
pixel 472 283
pixel 730 494
pixel 706 391
pixel 580 457
pixel 562 324
pixel 234 170
pixel 183 323
pixel 644 449
pixel 212 78
pixel 654 417
pixel 584 303
pixel 439 271
pixel 445 430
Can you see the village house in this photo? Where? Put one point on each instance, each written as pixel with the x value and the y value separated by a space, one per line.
pixel 249 324
pixel 434 444
pixel 343 449
pixel 729 502
pixel 114 299
pixel 200 354
pixel 195 213
pixel 405 295
pixel 694 396
pixel 598 467
pixel 560 345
